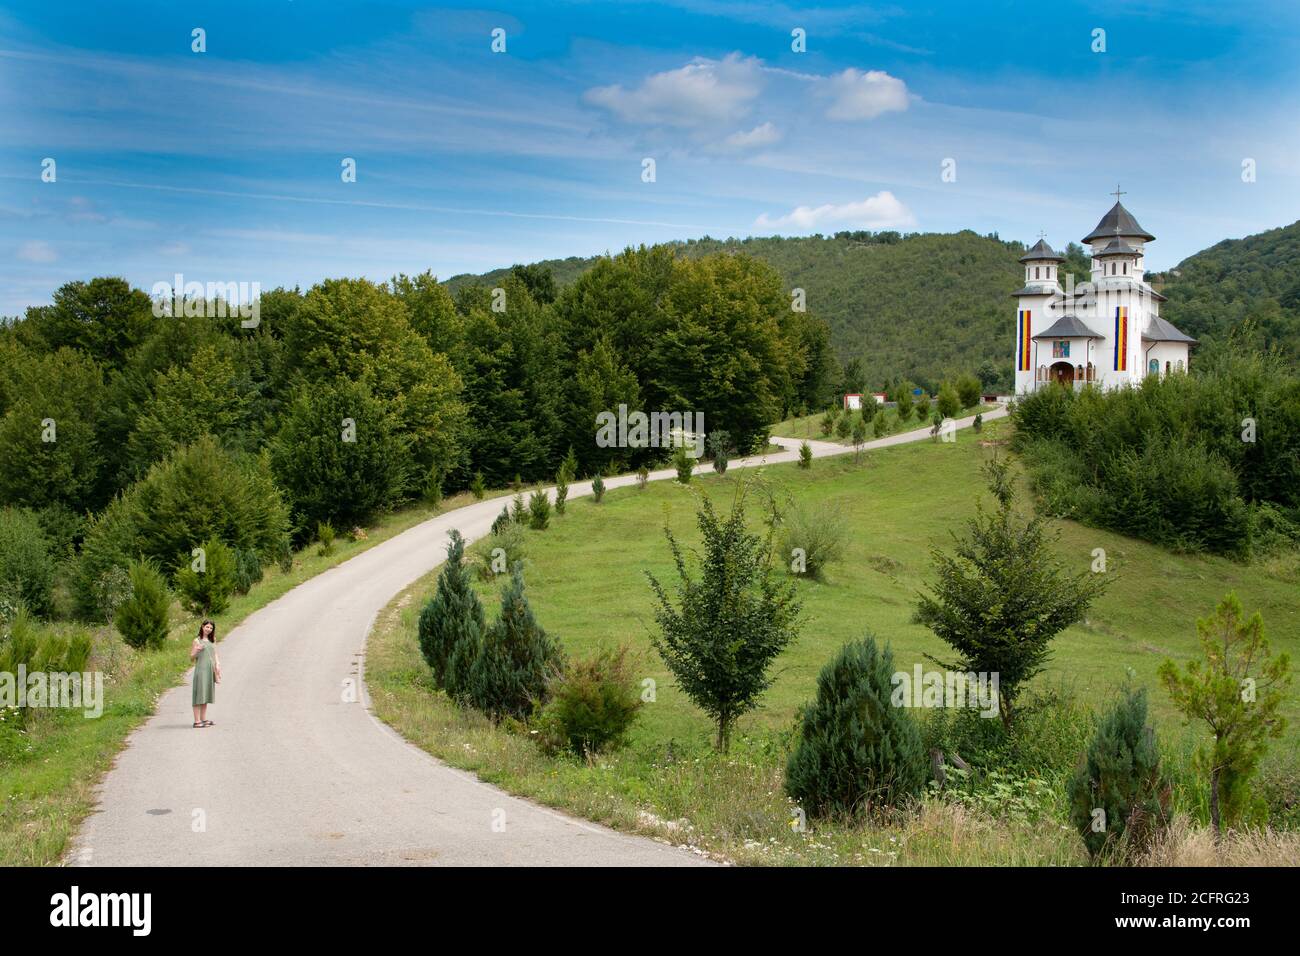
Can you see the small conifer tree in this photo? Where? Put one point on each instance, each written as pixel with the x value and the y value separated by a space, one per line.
pixel 856 749
pixel 206 587
pixel 142 618
pixel 684 464
pixel 1118 796
pixel 539 510
pixel 597 488
pixel 451 623
pixel 517 658
pixel 805 455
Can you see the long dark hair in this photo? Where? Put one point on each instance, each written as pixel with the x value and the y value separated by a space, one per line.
pixel 213 637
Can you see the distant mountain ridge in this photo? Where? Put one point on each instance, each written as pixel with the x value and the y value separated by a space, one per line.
pixel 925 305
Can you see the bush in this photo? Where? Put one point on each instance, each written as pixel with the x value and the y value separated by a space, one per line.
pixel 720 446
pixel 477 487
pixel 856 749
pixel 1201 462
pixel 684 464
pixel 949 402
pixel 207 588
pixel 27 646
pixel 978 424
pixel 112 588
pixel 516 660
pixel 818 535
pixel 878 426
pixel 502 520
pixel 922 407
pixel 597 488
pixel 200 492
pixel 452 617
pixel 805 455
pixel 325 535
pixel 563 478
pixel 248 570
pixel 26 564
pixel 969 390
pixel 642 477
pixel 1119 799
pixel 904 404
pixel 283 555
pixel 498 553
pixel 539 510
pixel 142 618
pixel 592 707
pixel 827 424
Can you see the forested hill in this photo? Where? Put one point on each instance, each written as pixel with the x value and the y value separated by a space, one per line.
pixel 1255 280
pixel 917 306
pixel 924 305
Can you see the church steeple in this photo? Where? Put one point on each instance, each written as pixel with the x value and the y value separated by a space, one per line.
pixel 1118 222
pixel 1041 263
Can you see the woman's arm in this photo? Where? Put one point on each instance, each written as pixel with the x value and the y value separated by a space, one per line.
pixel 194 648
pixel 216 662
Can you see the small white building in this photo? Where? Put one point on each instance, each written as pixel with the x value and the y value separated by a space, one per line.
pixel 1107 331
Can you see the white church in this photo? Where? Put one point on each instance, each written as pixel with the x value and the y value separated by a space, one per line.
pixel 1106 332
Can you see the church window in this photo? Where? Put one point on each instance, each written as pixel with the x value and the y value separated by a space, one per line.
pixel 1179 366
pixel 1126 268
pixel 1153 367
pixel 1168 368
pixel 1035 272
pixel 1078 373
pixel 1060 350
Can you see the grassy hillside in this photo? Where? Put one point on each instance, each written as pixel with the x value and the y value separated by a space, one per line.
pixel 587 585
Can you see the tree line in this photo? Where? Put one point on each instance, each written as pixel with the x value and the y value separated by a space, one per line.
pixel 124 432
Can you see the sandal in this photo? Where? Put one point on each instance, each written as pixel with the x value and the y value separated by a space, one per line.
pixel 199 725
pixel 209 723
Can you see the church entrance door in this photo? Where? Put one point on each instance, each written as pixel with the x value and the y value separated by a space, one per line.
pixel 1063 373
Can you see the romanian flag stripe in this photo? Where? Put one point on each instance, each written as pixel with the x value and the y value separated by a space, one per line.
pixel 1121 338
pixel 1024 352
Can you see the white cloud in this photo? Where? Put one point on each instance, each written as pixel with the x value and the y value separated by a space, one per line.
pixel 37 251
pixel 756 138
pixel 701 93
pixel 881 211
pixel 865 95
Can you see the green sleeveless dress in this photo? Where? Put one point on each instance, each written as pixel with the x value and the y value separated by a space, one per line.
pixel 205 687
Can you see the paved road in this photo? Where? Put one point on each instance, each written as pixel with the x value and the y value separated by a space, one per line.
pixel 294 775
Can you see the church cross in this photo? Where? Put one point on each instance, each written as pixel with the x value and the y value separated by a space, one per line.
pixel 1042 235
pixel 1118 192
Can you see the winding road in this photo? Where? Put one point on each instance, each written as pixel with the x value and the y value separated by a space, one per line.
pixel 293 775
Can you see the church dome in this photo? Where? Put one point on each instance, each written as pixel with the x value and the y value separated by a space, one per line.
pixel 1117 247
pixel 1041 252
pixel 1118 222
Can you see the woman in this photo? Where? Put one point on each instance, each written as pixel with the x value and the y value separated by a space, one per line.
pixel 207 672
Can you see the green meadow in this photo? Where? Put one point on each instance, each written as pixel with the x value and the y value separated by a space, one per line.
pixel 587 583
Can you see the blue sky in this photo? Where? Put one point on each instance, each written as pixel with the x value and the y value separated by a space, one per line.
pixel 225 165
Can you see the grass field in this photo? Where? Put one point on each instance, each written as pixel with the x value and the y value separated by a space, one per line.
pixel 48 771
pixel 587 585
